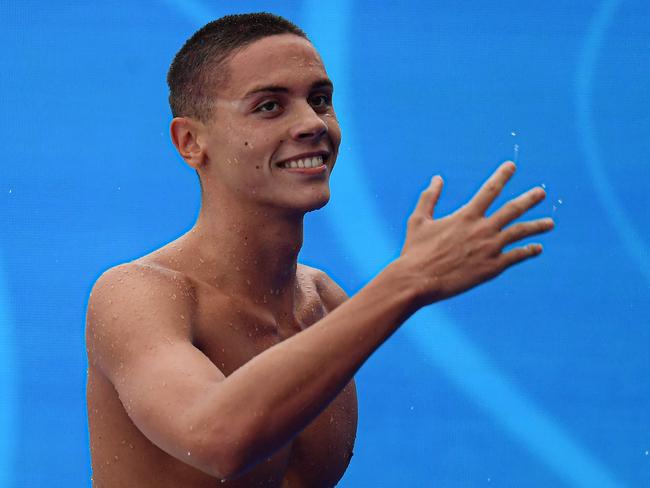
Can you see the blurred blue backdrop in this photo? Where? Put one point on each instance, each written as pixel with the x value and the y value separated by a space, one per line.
pixel 539 378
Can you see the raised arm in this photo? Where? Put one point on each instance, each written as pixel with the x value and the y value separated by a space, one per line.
pixel 265 403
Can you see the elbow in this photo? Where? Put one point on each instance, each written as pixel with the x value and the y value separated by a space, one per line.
pixel 235 455
pixel 232 442
pixel 224 470
pixel 228 456
pixel 226 462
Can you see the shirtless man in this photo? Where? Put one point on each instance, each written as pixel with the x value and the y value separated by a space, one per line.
pixel 218 356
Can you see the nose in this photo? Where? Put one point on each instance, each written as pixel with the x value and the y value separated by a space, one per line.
pixel 308 125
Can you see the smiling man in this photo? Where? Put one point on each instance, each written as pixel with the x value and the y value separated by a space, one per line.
pixel 219 356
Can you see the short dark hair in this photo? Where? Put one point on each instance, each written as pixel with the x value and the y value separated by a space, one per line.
pixel 199 67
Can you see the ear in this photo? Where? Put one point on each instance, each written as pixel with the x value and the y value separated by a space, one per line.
pixel 185 137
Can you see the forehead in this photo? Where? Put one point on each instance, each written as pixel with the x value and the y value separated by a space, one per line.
pixel 278 59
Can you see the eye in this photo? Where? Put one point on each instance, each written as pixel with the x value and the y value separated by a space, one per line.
pixel 321 101
pixel 268 107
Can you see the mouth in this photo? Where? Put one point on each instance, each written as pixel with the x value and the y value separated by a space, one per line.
pixel 311 163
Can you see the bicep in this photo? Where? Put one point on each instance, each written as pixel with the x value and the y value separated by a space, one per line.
pixel 139 335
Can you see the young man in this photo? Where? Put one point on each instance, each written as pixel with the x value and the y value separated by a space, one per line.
pixel 218 356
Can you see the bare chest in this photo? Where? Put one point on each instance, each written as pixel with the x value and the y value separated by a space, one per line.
pixel 234 334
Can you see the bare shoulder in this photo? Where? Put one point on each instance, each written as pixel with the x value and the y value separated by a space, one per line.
pixel 330 292
pixel 138 278
pixel 130 305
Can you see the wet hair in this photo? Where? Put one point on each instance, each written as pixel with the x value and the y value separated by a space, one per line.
pixel 199 68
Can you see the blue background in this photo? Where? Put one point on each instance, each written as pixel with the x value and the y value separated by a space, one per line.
pixel 539 378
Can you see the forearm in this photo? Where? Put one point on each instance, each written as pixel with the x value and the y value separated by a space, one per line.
pixel 279 392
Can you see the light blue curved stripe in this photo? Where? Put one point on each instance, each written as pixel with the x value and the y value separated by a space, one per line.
pixel 353 213
pixel 196 12
pixel 632 241
pixel 7 385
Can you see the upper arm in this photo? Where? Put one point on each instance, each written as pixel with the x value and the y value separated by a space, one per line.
pixel 138 334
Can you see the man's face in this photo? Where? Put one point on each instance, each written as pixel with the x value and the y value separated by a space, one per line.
pixel 274 107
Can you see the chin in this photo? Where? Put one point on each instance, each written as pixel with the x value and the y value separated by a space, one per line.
pixel 311 205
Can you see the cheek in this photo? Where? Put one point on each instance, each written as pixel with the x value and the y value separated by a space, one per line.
pixel 334 130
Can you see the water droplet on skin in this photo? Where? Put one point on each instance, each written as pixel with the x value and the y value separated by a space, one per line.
pixel 116 458
pixel 131 446
pixel 189 453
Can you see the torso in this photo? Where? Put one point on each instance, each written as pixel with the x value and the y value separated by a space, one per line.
pixel 230 331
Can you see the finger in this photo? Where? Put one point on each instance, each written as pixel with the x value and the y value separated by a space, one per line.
pixel 522 230
pixel 516 207
pixel 429 198
pixel 520 254
pixel 491 188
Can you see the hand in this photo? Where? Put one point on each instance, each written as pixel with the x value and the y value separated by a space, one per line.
pixel 453 254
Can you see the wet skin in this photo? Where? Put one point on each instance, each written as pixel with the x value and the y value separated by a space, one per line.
pixel 229 330
pixel 218 356
pixel 227 290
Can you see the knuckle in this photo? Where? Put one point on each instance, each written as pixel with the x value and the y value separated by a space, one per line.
pixel 414 220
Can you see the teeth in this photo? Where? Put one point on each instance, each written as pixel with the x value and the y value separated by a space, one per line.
pixel 303 163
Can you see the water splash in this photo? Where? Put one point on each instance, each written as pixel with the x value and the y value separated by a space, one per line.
pixel 515 156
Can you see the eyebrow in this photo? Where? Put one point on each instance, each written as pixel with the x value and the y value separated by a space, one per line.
pixel 324 83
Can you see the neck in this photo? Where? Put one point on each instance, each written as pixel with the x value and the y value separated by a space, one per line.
pixel 251 252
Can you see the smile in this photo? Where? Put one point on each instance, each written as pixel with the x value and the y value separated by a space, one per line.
pixel 313 162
